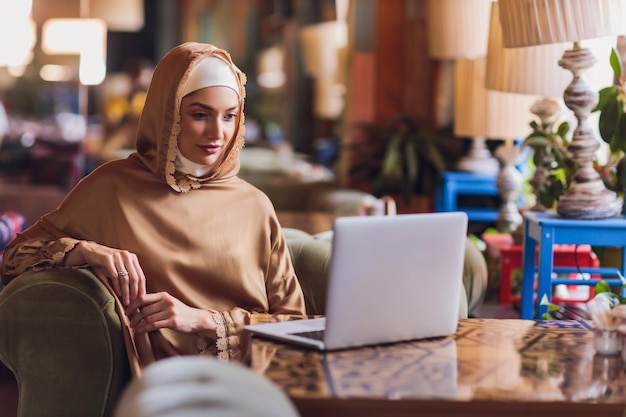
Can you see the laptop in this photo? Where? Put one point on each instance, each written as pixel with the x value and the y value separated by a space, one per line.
pixel 391 279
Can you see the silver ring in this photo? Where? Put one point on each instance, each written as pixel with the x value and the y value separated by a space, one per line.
pixel 122 274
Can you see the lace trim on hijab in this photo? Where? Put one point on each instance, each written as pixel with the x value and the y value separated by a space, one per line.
pixel 179 182
pixel 238 142
pixel 184 183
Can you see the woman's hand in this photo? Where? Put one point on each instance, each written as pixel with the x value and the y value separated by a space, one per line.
pixel 120 267
pixel 161 310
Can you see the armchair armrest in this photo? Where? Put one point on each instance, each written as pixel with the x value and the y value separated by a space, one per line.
pixel 62 338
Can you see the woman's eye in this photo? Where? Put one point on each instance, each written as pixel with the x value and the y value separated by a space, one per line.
pixel 199 115
pixel 230 116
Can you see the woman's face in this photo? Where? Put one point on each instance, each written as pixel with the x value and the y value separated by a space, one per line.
pixel 208 120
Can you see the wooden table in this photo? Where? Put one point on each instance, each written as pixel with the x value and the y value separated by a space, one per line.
pixel 490 367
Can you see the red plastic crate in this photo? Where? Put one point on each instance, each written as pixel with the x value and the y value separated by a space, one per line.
pixel 510 259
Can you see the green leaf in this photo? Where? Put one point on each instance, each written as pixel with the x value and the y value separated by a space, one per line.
pixel 435 157
pixel 620 174
pixel 563 129
pixel 537 141
pixel 553 307
pixel 606 95
pixel 558 187
pixel 609 118
pixel 616 63
pixel 412 164
pixel 547 199
pixel 601 287
pixel 619 139
pixel 391 169
pixel 390 174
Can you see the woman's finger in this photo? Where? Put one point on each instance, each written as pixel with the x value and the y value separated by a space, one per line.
pixel 123 278
pixel 137 284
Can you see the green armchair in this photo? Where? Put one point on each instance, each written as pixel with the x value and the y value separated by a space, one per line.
pixel 61 337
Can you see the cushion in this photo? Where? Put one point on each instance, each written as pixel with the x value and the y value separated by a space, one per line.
pixel 11 223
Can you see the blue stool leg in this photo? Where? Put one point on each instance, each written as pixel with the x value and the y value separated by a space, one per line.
pixel 528 276
pixel 623 269
pixel 544 279
pixel 449 202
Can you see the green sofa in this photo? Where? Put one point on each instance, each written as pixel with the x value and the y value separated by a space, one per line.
pixel 62 339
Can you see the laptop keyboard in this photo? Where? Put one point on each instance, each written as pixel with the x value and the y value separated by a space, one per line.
pixel 312 334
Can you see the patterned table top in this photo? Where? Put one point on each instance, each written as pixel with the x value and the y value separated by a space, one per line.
pixel 486 360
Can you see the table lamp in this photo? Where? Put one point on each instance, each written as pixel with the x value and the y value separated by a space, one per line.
pixel 322 44
pixel 458 29
pixel 538 22
pixel 59 37
pixel 496 115
pixel 531 70
pixel 19 34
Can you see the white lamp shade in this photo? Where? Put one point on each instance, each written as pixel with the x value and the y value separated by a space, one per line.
pixel 479 112
pixel 18 33
pixel 85 37
pixel 56 73
pixel 92 68
pixel 19 50
pixel 270 70
pixel 538 22
pixel 73 36
pixel 119 15
pixel 535 70
pixel 457 28
pixel 321 45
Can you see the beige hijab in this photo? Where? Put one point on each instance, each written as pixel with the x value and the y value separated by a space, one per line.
pixel 159 124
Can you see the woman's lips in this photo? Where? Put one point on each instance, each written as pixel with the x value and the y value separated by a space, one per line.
pixel 210 149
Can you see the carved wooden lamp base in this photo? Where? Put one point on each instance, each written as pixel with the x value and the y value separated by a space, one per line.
pixel 598 205
pixel 586 197
pixel 509 183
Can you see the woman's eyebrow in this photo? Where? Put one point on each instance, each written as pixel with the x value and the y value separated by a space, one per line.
pixel 207 107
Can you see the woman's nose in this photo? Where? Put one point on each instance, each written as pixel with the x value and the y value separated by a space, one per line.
pixel 213 128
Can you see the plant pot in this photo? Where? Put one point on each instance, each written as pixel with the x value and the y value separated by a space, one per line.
pixel 418 204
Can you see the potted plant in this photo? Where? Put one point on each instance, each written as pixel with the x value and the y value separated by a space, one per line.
pixel 612 126
pixel 404 158
pixel 552 167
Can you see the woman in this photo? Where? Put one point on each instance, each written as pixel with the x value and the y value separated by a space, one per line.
pixel 189 249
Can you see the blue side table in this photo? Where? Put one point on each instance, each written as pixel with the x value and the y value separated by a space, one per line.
pixel 452 184
pixel 549 229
